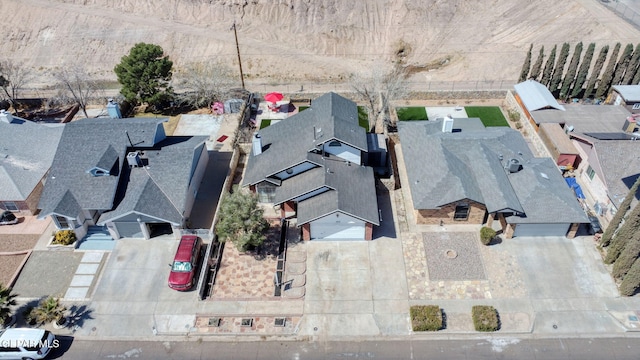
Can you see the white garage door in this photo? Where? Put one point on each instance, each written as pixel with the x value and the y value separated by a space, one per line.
pixel 341 227
pixel 541 230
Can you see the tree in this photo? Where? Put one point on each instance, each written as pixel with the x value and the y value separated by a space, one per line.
pixel 607 76
pixel 571 71
pixel 558 70
pixel 596 71
pixel 13 78
pixel 241 220
pixel 145 75
pixel 377 89
pixel 631 281
pixel 630 226
pixel 636 78
pixel 623 209
pixel 632 69
pixel 75 84
pixel 623 63
pixel 204 83
pixel 548 67
pixel 49 310
pixel 537 66
pixel 584 70
pixel 627 257
pixel 7 300
pixel 526 66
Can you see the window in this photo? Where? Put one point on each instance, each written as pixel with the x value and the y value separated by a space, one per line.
pixel 266 192
pixel 461 212
pixel 11 206
pixel 636 106
pixel 335 143
pixel 62 222
pixel 590 172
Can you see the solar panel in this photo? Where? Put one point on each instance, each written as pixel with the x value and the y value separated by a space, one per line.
pixel 610 136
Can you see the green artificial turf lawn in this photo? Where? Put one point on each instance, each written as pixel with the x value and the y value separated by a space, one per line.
pixel 302 108
pixel 265 123
pixel 363 118
pixel 411 113
pixel 489 115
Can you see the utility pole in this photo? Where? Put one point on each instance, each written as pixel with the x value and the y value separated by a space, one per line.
pixel 235 32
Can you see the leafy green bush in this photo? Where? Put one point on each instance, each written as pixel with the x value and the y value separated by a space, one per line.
pixel 65 237
pixel 426 317
pixel 486 235
pixel 485 318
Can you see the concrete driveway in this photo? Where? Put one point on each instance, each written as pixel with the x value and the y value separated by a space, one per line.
pixel 355 289
pixel 132 297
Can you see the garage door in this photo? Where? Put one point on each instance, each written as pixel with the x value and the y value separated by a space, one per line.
pixel 337 231
pixel 129 229
pixel 541 230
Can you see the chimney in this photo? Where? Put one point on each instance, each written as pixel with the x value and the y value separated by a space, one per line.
pixel 257 144
pixel 133 159
pixel 447 124
pixel 629 124
pixel 6 116
pixel 113 109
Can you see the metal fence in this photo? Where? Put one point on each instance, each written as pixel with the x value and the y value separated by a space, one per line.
pixel 417 86
pixel 623 11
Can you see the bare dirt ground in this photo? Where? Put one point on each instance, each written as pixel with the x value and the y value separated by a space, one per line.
pixel 289 40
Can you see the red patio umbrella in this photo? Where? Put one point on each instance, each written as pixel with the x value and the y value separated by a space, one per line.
pixel 273 97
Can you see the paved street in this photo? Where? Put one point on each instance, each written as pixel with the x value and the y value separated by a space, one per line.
pixel 480 347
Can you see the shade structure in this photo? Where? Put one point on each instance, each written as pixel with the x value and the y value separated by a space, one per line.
pixel 273 97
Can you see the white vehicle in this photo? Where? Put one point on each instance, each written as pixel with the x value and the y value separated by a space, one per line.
pixel 22 344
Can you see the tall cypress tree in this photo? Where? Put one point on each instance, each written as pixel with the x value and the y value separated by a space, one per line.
pixel 623 209
pixel 526 66
pixel 607 76
pixel 584 70
pixel 548 67
pixel 631 281
pixel 537 66
pixel 596 71
pixel 621 68
pixel 632 69
pixel 571 71
pixel 627 257
pixel 636 78
pixel 558 70
pixel 627 230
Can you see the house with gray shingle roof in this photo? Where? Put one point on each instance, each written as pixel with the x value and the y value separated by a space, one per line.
pixel 124 175
pixel 26 154
pixel 475 175
pixel 311 165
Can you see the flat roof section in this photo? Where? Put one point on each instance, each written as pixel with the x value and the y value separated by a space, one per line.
pixel 585 118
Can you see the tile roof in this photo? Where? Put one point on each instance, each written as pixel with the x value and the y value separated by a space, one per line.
pixel 26 153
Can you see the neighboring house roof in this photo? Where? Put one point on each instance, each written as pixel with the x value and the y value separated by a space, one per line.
pixel 470 164
pixel 286 143
pixel 351 190
pixel 559 139
pixel 26 154
pixel 619 162
pixel 629 93
pixel 95 143
pixel 536 96
pixel 585 118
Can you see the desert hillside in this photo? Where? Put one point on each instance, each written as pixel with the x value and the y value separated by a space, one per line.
pixel 288 40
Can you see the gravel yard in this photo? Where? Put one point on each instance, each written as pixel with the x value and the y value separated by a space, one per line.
pixel 453 256
pixel 10 243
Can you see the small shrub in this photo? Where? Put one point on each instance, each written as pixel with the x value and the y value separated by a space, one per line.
pixel 514 116
pixel 65 237
pixel 486 235
pixel 485 318
pixel 518 125
pixel 426 317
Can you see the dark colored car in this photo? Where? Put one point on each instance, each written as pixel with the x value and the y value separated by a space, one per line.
pixel 8 218
pixel 183 269
pixel 594 227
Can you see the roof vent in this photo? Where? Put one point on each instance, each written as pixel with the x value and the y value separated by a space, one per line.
pixel 133 159
pixel 629 124
pixel 513 166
